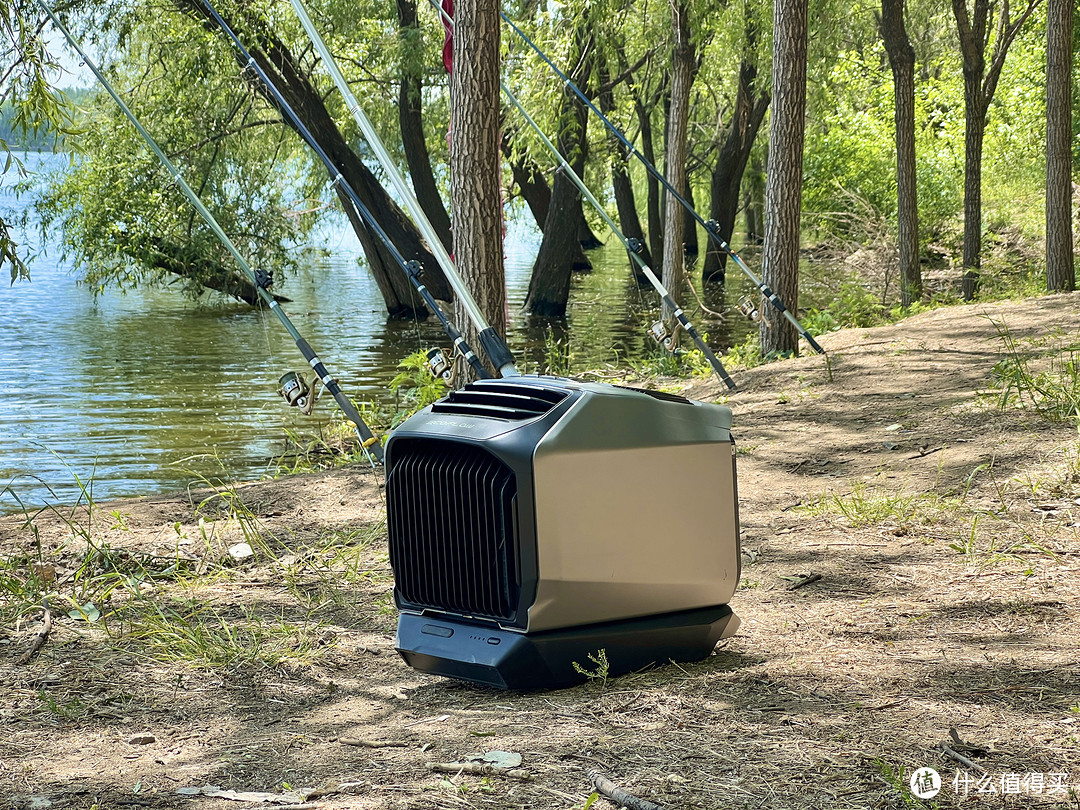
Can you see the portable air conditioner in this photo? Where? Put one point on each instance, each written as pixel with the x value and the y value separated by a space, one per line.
pixel 537 521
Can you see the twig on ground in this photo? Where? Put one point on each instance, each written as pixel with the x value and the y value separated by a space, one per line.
pixel 961 758
pixel 39 639
pixel 374 743
pixel 607 788
pixel 804 581
pixel 477 769
pixel 923 452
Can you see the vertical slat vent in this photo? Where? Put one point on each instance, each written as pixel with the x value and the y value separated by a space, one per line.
pixel 451 521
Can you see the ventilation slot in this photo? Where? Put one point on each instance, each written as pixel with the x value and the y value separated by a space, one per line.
pixel 500 401
pixel 451 521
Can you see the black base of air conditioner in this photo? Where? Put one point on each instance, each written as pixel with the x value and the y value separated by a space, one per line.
pixel 508 660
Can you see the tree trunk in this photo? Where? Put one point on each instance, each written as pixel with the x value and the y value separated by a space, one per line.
pixel 303 97
pixel 410 119
pixel 754 204
pixel 902 60
pixel 530 180
pixel 182 260
pixel 549 286
pixel 652 202
pixel 974 130
pixel 731 162
pixel 682 70
pixel 623 190
pixel 978 93
pixel 475 188
pixel 586 238
pixel 783 189
pixel 690 234
pixel 1060 267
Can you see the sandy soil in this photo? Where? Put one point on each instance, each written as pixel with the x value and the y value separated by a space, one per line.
pixel 944 528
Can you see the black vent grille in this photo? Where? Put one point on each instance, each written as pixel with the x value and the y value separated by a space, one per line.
pixel 500 400
pixel 451 521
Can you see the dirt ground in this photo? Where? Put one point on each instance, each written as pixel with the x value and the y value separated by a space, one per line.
pixel 944 529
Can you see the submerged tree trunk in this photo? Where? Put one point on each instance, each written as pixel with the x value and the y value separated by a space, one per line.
pixel 549 286
pixel 652 185
pixel 783 189
pixel 682 63
pixel 534 189
pixel 303 97
pixel 690 234
pixel 754 203
pixel 1060 263
pixel 475 188
pixel 902 59
pixel 742 131
pixel 411 121
pixel 183 261
pixel 530 180
pixel 623 190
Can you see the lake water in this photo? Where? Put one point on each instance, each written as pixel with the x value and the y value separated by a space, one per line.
pixel 145 391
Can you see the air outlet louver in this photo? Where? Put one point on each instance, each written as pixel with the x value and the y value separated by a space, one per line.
pixel 495 400
pixel 451 521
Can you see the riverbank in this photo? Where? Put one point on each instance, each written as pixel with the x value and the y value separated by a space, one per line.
pixel 944 528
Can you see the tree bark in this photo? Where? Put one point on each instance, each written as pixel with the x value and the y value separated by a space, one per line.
pixel 980 82
pixel 296 86
pixel 475 188
pixel 682 70
pixel 411 121
pixel 754 203
pixel 690 234
pixel 530 180
pixel 783 189
pixel 1060 261
pixel 652 185
pixel 623 190
pixel 549 286
pixel 902 61
pixel 726 179
pixel 534 189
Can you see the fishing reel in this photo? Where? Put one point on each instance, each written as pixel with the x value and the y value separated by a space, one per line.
pixel 750 308
pixel 438 363
pixel 668 338
pixel 296 392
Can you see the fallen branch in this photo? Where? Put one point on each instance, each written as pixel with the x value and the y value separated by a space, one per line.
pixel 607 788
pixel 961 758
pixel 39 639
pixel 374 743
pixel 804 581
pixel 477 769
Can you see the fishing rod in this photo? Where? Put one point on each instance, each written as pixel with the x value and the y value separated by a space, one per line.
pixel 261 279
pixel 493 344
pixel 633 246
pixel 412 269
pixel 712 227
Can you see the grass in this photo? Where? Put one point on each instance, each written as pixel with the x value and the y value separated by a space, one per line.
pixel 198 634
pixel 1040 374
pixel 986 534
pixel 167 608
pixel 863 506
